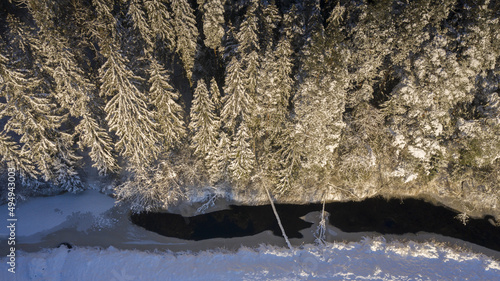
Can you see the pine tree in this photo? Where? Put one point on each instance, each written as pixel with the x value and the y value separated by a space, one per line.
pixel 167 113
pixel 127 111
pixel 204 123
pixel 213 23
pixel 186 32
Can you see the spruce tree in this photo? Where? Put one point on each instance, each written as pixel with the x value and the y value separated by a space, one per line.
pixel 292 27
pixel 242 157
pixel 127 111
pixel 141 23
pixel 186 32
pixel 11 87
pixel 160 23
pixel 218 159
pixel 167 112
pixel 33 107
pixel 319 105
pixel 101 146
pixel 277 85
pixel 238 104
pixel 213 23
pixel 215 96
pixel 105 27
pixel 248 49
pixel 268 21
pixel 204 123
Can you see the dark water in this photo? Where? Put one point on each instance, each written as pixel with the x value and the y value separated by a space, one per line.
pixel 238 221
pixel 411 216
pixel 376 214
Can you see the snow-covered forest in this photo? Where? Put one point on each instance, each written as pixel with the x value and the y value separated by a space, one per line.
pixel 334 100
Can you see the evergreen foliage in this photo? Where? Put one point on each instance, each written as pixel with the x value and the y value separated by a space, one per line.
pixel 127 112
pixel 204 123
pixel 186 33
pixel 346 99
pixel 213 23
pixel 167 112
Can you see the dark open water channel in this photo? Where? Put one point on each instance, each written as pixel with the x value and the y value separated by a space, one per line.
pixel 376 214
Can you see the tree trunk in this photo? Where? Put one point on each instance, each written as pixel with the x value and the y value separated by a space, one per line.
pixel 278 219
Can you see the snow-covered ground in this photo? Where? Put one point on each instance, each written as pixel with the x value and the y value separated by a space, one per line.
pixel 368 260
pixel 109 247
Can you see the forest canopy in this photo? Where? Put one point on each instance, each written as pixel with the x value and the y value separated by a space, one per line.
pixel 345 99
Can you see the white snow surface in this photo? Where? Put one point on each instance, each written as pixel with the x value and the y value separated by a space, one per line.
pixel 365 260
pixel 43 221
pixel 45 213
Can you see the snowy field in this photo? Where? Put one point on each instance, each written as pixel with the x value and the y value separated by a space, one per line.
pixel 109 247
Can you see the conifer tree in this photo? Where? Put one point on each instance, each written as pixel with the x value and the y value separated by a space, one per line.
pixel 293 28
pixel 11 87
pixel 230 43
pixel 290 161
pixel 319 104
pixel 238 104
pixel 277 90
pixel 215 96
pixel 242 157
pixel 369 47
pixel 168 113
pixel 204 123
pixel 268 19
pixel 248 49
pixel 313 23
pixel 421 107
pixel 140 23
pixel 127 111
pixel 101 146
pixel 218 159
pixel 32 107
pixel 186 33
pixel 105 27
pixel 213 23
pixel 160 23
pixel 32 117
pixel 74 93
pixel 480 132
